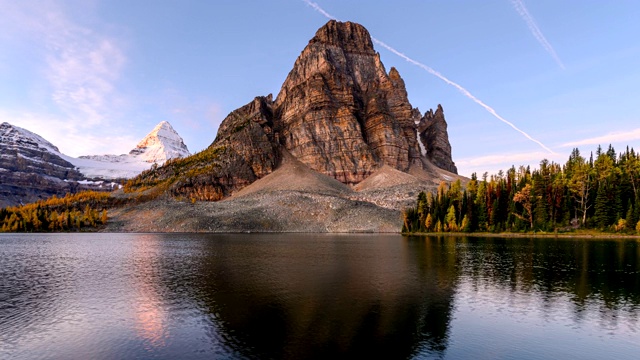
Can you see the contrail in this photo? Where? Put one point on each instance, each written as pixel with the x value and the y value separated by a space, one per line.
pixel 533 27
pixel 317 8
pixel 431 71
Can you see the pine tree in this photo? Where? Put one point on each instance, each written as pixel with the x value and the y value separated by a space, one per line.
pixel 630 217
pixel 601 216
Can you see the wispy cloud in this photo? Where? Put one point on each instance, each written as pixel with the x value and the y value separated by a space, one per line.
pixel 317 8
pixel 80 67
pixel 614 137
pixel 535 30
pixel 82 77
pixel 435 73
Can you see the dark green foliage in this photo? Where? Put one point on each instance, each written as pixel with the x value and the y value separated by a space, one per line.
pixel 599 193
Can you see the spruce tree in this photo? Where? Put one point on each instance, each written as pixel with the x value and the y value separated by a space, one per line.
pixel 601 215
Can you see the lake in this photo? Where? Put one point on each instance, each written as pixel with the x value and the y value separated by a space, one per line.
pixel 294 296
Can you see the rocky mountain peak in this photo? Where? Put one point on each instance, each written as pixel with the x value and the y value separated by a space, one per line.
pixel 432 129
pixel 11 135
pixel 394 74
pixel 348 36
pixel 161 144
pixel 340 112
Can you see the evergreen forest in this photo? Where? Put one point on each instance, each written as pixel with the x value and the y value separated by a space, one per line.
pixel 599 192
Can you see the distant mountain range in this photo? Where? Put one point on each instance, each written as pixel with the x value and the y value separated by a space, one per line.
pixel 32 168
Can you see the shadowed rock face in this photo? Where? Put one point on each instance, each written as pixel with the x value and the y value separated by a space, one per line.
pixel 340 112
pixel 249 131
pixel 433 135
pixel 245 150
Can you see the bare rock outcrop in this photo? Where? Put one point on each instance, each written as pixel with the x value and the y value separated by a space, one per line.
pixel 435 139
pixel 340 112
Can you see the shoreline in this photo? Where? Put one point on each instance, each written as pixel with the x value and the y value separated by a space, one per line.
pixel 528 235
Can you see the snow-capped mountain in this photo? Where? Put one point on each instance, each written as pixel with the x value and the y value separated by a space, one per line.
pixel 21 139
pixel 32 168
pixel 161 144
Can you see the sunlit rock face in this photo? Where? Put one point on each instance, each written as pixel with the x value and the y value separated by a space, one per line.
pixel 340 112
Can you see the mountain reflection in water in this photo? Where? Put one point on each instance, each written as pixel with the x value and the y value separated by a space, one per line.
pixel 316 296
pixel 384 300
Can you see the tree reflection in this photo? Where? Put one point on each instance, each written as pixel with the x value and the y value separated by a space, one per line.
pixel 287 296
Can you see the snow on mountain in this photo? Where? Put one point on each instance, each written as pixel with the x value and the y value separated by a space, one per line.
pixel 108 166
pixel 32 168
pixel 11 135
pixel 161 144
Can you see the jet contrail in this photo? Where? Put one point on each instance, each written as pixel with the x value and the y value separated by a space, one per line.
pixel 317 8
pixel 533 27
pixel 464 91
pixel 431 71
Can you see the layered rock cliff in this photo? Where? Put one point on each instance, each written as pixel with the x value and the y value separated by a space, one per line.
pixel 339 112
pixel 435 139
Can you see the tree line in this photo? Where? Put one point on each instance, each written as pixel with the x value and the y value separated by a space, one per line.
pixel 599 192
pixel 73 212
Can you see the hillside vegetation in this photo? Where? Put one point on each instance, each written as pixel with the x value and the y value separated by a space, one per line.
pixel 73 212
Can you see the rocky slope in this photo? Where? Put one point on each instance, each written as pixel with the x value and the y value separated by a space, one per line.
pixel 293 198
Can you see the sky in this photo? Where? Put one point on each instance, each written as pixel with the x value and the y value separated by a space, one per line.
pixel 519 80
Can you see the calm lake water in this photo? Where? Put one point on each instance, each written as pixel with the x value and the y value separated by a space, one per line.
pixel 192 296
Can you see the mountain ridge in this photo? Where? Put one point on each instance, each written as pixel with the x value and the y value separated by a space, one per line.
pixel 32 168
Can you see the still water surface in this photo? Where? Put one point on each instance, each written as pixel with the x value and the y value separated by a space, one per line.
pixel 191 296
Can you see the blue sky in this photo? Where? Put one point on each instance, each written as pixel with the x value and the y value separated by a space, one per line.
pixel 96 76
